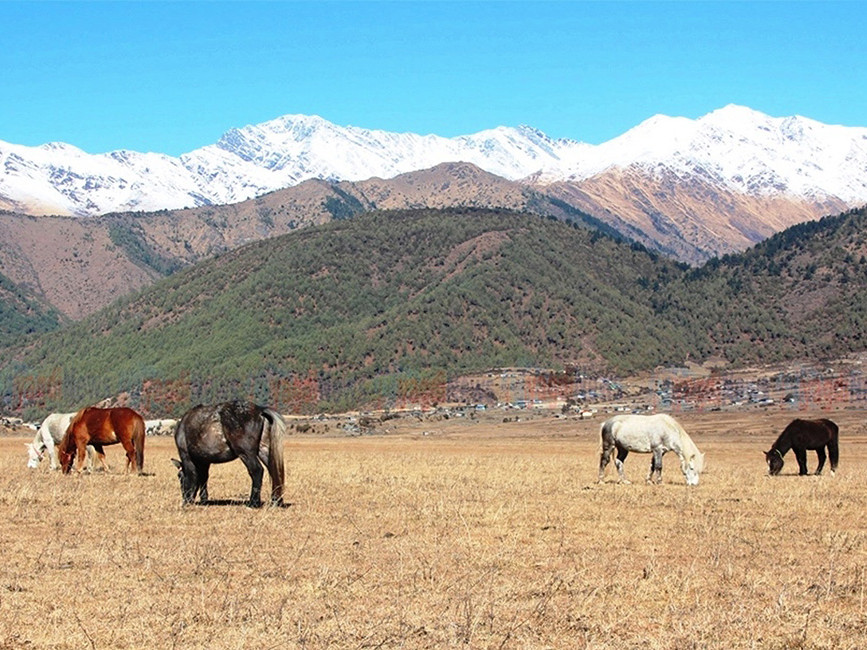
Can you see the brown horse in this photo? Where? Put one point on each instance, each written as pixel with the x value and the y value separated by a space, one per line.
pixel 100 427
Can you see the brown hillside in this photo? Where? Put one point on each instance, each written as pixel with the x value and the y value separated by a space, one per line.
pixel 691 219
pixel 77 268
pixel 70 262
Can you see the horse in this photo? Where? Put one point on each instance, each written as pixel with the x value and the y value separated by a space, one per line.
pixel 100 427
pixel 160 427
pixel 655 434
pixel 801 435
pixel 223 432
pixel 50 433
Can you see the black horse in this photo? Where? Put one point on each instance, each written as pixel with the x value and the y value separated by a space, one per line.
pixel 224 432
pixel 801 435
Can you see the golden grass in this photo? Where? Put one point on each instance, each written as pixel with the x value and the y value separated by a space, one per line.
pixel 477 535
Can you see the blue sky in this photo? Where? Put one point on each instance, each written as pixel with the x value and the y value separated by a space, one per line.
pixel 172 77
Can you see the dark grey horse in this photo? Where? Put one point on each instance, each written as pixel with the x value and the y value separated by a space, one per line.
pixel 224 432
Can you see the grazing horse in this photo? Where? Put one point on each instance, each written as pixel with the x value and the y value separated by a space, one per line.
pixel 100 427
pixel 224 432
pixel 801 435
pixel 653 434
pixel 50 433
pixel 160 427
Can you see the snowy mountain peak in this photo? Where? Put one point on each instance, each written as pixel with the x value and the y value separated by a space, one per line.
pixel 741 149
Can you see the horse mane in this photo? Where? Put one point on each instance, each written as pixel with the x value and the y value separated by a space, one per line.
pixel 786 433
pixel 78 416
pixel 66 441
pixel 688 447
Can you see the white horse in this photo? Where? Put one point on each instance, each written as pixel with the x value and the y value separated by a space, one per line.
pixel 160 427
pixel 48 435
pixel 649 434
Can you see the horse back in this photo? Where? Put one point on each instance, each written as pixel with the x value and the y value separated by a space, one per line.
pixel 810 434
pixel 107 426
pixel 201 435
pixel 126 423
pixel 833 429
pixel 243 425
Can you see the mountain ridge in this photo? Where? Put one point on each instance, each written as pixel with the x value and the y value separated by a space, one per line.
pixel 735 147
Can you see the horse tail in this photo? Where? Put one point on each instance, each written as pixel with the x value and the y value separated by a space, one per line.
pixel 276 468
pixel 606 446
pixel 606 435
pixel 138 441
pixel 833 443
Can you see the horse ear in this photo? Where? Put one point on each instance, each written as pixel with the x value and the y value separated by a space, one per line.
pixel 176 463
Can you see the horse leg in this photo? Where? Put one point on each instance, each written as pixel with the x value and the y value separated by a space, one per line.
pixel 254 468
pixel 604 459
pixel 801 456
pixel 100 454
pixel 129 448
pixel 203 470
pixel 91 452
pixel 655 475
pixel 820 453
pixel 622 453
pixel 48 442
pixel 189 476
pixel 80 454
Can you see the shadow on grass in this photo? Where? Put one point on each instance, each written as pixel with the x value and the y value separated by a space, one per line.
pixel 238 502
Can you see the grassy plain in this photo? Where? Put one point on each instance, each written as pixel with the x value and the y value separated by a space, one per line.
pixel 458 533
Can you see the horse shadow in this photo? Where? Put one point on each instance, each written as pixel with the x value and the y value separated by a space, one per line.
pixel 221 503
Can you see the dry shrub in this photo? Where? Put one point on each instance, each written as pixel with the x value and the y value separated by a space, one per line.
pixel 478 535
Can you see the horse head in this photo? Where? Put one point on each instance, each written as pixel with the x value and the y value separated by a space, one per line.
pixel 34 455
pixel 692 467
pixel 774 460
pixel 65 458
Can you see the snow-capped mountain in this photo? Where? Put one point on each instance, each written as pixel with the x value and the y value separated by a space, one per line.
pixel 743 150
pixel 735 148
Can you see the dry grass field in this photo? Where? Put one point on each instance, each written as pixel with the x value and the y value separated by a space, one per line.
pixel 460 533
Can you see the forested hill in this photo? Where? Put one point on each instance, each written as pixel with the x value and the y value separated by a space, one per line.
pixel 802 294
pixel 349 312
pixel 360 304
pixel 22 313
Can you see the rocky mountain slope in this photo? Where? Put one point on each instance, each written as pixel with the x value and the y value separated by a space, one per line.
pixel 81 265
pixel 715 184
